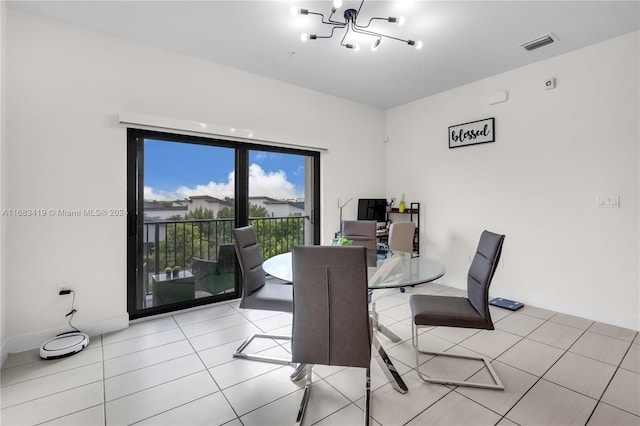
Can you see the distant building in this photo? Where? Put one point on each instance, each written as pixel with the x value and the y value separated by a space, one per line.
pixel 155 210
pixel 207 202
pixel 279 208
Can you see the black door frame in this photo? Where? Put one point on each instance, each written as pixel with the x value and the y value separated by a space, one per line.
pixel 135 203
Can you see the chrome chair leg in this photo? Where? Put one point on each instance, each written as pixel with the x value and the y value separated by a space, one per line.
pixel 255 357
pixel 299 373
pixel 367 397
pixel 305 395
pixel 496 385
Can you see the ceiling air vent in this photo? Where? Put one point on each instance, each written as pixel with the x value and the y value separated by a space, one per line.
pixel 539 42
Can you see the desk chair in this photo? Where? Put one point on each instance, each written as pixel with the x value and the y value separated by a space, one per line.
pixel 401 235
pixel 256 292
pixel 467 312
pixel 331 324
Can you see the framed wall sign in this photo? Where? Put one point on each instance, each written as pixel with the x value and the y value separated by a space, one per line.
pixel 474 132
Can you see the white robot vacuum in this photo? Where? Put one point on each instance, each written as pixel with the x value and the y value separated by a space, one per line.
pixel 65 344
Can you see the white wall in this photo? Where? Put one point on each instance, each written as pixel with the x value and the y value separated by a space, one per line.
pixel 65 88
pixel 555 152
pixel 3 182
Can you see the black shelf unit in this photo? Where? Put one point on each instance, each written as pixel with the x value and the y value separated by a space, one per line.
pixel 414 215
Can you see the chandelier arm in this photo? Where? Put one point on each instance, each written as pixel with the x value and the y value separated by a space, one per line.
pixel 370 20
pixel 357 29
pixel 331 21
pixel 342 43
pixel 328 21
pixel 332 30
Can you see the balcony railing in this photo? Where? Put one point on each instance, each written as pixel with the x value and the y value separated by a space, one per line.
pixel 171 243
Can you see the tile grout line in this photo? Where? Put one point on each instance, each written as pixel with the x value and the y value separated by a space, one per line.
pixel 545 372
pixel 209 370
pixel 619 366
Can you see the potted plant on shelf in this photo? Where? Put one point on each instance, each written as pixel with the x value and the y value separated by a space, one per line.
pixel 176 271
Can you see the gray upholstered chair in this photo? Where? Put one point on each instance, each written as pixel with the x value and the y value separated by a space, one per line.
pixel 400 240
pixel 256 292
pixel 401 236
pixel 467 312
pixel 362 233
pixel 331 324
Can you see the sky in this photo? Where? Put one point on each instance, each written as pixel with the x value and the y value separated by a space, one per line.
pixel 178 170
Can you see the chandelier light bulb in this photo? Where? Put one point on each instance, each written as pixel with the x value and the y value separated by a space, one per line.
pixel 356 47
pixel 337 3
pixel 419 45
pixel 401 20
pixel 294 10
pixel 304 36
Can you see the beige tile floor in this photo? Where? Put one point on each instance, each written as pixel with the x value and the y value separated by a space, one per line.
pixel 178 370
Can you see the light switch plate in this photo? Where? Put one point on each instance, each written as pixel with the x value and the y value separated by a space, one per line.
pixel 612 201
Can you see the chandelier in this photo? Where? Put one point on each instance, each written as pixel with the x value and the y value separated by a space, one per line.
pixel 351 25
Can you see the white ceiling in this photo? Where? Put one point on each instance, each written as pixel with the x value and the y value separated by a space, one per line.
pixel 464 41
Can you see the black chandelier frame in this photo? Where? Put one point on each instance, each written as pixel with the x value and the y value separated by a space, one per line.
pixel 350 23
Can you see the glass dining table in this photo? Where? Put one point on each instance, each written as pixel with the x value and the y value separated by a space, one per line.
pixel 394 272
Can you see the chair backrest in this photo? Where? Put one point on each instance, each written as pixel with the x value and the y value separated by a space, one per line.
pixel 202 269
pixel 250 260
pixel 481 272
pixel 331 324
pixel 210 277
pixel 401 236
pixel 361 232
pixel 226 255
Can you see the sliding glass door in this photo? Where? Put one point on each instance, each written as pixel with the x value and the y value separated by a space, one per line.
pixel 186 194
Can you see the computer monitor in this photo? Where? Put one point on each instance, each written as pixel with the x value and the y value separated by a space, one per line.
pixel 372 209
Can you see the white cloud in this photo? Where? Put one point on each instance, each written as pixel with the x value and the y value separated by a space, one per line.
pixel 261 183
pixel 269 184
pixel 152 194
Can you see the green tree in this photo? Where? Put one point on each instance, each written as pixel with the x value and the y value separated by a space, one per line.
pixel 279 235
pixel 254 211
pixel 226 213
pixel 199 213
pixel 182 242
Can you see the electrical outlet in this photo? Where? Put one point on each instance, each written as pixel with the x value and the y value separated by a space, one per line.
pixel 550 83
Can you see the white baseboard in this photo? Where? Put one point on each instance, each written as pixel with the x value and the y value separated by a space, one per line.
pixel 606 317
pixel 35 340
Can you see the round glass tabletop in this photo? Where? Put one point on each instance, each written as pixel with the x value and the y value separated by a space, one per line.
pixel 394 271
